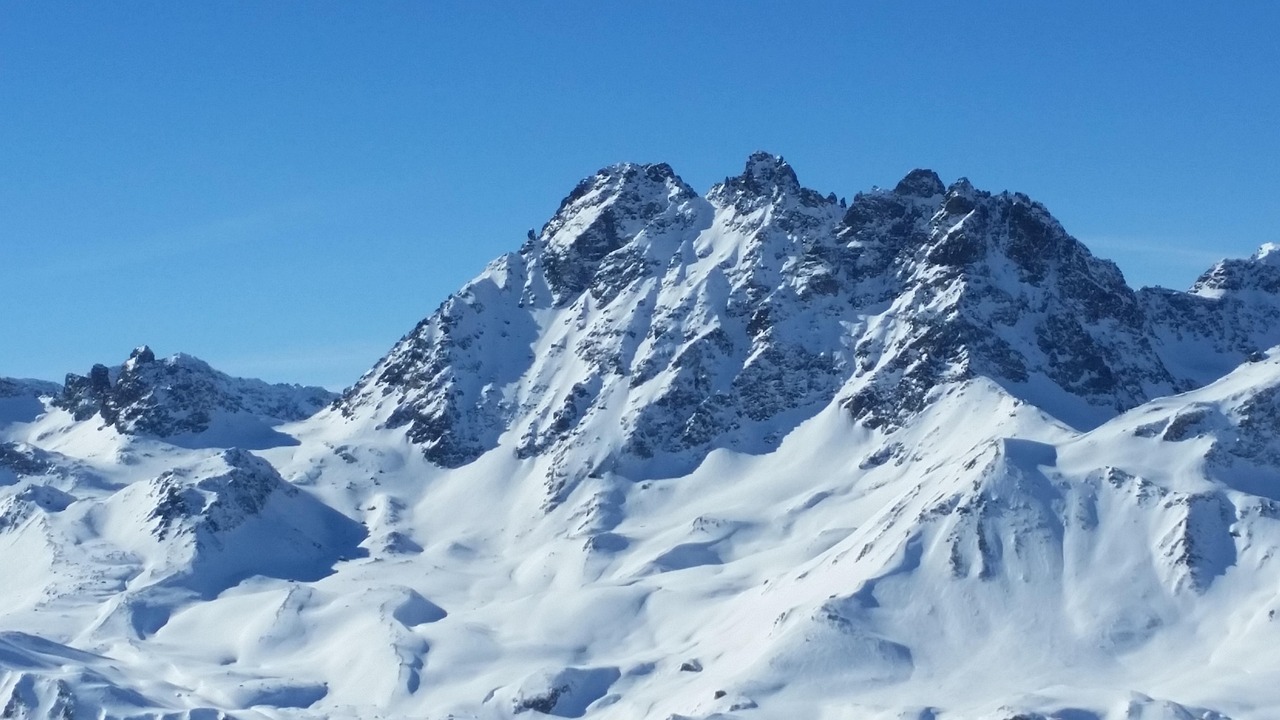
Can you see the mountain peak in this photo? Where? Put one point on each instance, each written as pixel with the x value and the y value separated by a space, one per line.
pixel 765 176
pixel 962 197
pixel 603 213
pixel 1260 272
pixel 694 323
pixel 178 395
pixel 620 184
pixel 141 355
pixel 1268 254
pixel 921 183
pixel 766 173
pixel 766 180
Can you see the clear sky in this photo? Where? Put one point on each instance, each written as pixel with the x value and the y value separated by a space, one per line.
pixel 285 188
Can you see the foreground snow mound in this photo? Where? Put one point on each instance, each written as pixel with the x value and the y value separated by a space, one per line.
pixel 41 679
pixel 563 693
pixel 184 400
pixel 207 527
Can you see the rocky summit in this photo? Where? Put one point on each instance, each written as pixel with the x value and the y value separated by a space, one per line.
pixel 179 395
pixel 745 454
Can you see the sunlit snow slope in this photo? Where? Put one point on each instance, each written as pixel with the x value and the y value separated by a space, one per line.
pixel 755 454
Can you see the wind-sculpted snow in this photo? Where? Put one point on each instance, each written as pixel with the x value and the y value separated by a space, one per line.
pixel 227 518
pixel 41 679
pixel 755 454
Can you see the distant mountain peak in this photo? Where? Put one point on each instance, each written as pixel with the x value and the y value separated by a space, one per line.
pixel 766 179
pixel 766 173
pixel 178 395
pixel 18 387
pixel 1259 272
pixel 1268 254
pixel 921 183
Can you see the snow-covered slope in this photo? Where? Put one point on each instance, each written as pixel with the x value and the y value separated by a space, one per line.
pixel 753 454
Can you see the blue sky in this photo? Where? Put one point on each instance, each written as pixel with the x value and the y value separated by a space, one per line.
pixel 285 188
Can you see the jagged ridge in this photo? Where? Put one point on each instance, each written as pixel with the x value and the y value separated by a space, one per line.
pixel 723 321
pixel 179 394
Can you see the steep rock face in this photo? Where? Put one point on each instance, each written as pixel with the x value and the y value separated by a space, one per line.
pixel 218 502
pixel 449 380
pixel 1231 313
pixel 179 395
pixel 601 216
pixel 744 329
pixel 992 285
pixel 22 459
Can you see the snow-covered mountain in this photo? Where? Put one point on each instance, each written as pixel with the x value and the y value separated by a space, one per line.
pixel 1231 312
pixel 757 453
pixel 183 399
pixel 652 325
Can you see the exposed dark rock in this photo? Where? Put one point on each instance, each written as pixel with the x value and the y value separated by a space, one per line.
pixel 22 460
pixel 179 395
pixel 920 183
pixel 602 215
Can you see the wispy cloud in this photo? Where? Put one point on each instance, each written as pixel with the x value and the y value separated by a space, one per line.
pixel 334 366
pixel 1196 251
pixel 182 241
pixel 1173 262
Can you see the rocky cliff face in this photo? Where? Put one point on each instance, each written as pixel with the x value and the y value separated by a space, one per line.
pixel 694 323
pixel 179 395
pixel 992 285
pixel 1231 314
